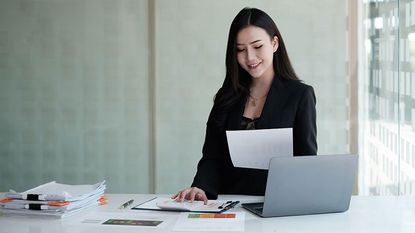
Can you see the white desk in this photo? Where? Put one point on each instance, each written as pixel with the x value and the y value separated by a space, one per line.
pixel 366 214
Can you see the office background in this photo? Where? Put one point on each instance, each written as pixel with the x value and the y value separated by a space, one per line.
pixel 121 90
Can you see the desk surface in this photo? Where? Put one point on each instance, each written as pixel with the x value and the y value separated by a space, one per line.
pixel 377 214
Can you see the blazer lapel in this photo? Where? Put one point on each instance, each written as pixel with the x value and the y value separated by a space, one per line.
pixel 270 115
pixel 235 116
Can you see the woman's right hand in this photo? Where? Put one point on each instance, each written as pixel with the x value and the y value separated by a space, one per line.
pixel 191 194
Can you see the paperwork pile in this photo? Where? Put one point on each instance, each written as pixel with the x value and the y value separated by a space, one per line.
pixel 54 199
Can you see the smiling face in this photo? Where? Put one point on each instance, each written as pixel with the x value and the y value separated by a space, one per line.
pixel 255 49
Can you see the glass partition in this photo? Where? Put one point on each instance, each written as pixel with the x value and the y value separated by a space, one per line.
pixel 386 105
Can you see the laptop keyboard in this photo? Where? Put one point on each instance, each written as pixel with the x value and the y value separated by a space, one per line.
pixel 255 207
pixel 259 208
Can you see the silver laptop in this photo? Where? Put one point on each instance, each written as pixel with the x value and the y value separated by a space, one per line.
pixel 307 185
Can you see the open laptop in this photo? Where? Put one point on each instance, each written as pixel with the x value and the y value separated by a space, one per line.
pixel 307 185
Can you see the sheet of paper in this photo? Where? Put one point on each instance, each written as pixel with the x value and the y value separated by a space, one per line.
pixel 125 219
pixel 255 148
pixel 210 222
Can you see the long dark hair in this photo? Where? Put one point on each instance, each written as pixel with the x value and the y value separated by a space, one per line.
pixel 237 80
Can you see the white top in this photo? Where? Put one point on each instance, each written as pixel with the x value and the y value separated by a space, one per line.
pixel 377 214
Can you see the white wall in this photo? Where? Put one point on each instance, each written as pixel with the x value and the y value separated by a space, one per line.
pixel 73 93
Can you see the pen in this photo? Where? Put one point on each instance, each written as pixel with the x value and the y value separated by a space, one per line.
pixel 230 206
pixel 221 206
pixel 123 206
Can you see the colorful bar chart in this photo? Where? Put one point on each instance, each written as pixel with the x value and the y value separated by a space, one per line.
pixel 211 215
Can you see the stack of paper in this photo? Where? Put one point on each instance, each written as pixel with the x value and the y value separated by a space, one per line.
pixel 54 199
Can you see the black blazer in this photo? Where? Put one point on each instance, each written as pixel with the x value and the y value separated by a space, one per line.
pixel 290 104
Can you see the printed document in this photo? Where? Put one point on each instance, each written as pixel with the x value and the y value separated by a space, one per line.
pixel 255 148
pixel 210 222
pixel 128 219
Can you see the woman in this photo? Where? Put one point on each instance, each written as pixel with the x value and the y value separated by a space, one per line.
pixel 260 91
